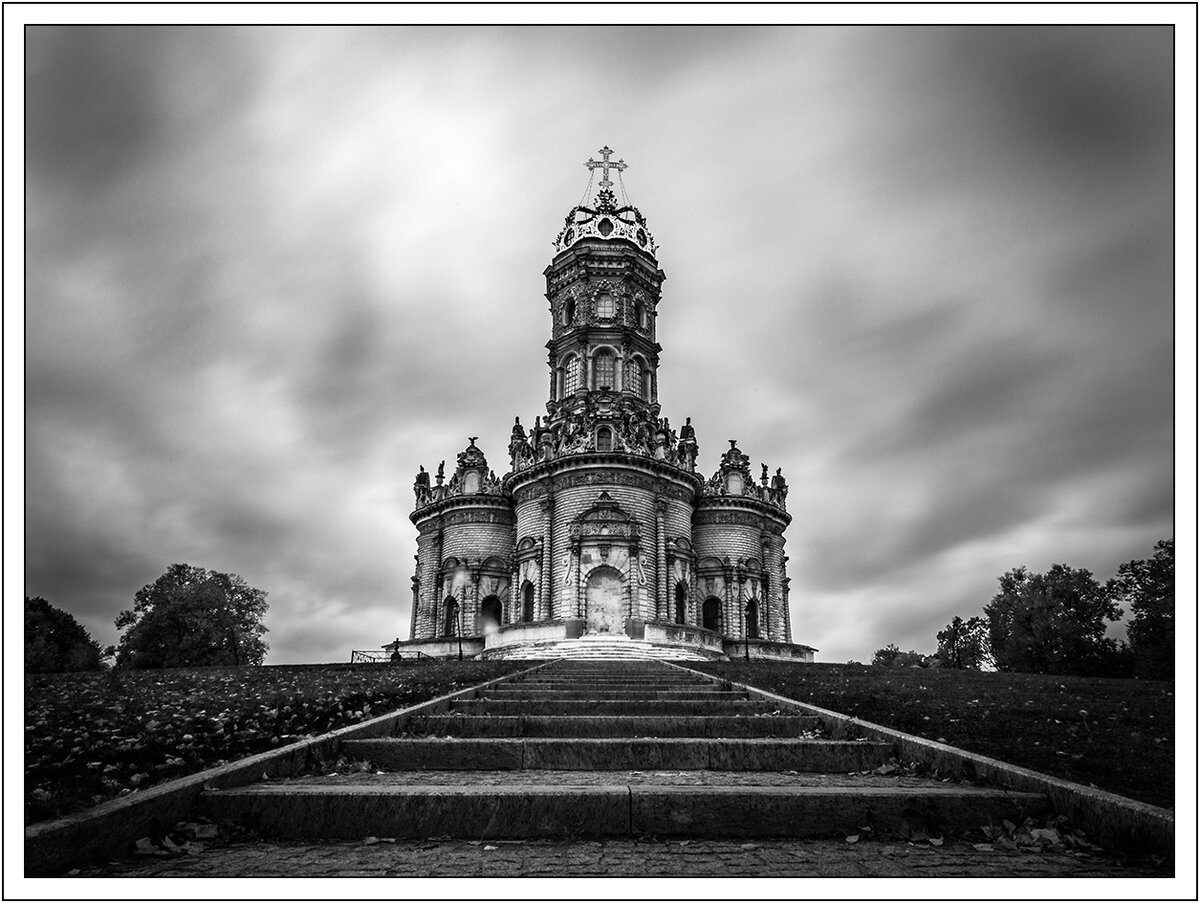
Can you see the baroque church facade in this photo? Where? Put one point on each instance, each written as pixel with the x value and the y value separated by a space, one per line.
pixel 601 538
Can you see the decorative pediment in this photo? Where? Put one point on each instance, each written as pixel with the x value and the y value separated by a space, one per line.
pixel 733 476
pixel 606 519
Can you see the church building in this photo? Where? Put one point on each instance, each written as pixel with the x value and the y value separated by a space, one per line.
pixel 600 538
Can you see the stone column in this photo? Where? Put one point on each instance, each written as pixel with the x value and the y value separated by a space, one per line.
pixel 576 566
pixel 787 609
pixel 546 603
pixel 693 614
pixel 514 592
pixel 767 608
pixel 660 566
pixel 474 623
pixel 726 627
pixel 435 587
pixel 416 601
pixel 632 569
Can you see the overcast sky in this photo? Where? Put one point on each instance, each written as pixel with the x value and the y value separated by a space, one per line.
pixel 270 271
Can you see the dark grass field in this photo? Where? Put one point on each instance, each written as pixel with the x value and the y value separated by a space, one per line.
pixel 1112 733
pixel 90 737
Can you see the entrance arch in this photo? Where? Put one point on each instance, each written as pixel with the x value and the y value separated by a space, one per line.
pixel 605 601
pixel 712 614
pixel 490 614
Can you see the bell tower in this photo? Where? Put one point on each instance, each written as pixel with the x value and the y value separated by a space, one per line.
pixel 603 286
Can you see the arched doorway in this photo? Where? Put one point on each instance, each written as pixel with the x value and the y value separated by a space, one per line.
pixel 490 614
pixel 527 597
pixel 752 619
pixel 605 601
pixel 450 620
pixel 681 604
pixel 712 614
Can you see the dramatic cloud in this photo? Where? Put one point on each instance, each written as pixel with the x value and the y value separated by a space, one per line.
pixel 928 272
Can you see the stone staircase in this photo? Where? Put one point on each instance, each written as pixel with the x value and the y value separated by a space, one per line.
pixel 598 647
pixel 587 749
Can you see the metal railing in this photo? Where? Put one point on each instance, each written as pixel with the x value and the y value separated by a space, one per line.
pixel 385 656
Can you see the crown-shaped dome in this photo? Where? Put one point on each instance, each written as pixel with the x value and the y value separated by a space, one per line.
pixel 605 217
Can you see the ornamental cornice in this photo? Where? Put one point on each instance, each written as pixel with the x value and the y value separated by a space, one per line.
pixel 618 468
pixel 481 501
pixel 713 509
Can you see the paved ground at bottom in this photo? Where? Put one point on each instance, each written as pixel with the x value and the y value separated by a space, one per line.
pixel 617 857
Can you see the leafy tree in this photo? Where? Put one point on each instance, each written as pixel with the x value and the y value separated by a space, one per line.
pixel 964 644
pixel 193 617
pixel 911 659
pixel 1052 623
pixel 56 642
pixel 886 656
pixel 891 657
pixel 1147 586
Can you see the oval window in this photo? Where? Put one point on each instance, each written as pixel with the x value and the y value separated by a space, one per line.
pixel 605 227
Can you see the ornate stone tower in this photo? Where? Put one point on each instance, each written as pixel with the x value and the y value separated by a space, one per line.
pixel 602 531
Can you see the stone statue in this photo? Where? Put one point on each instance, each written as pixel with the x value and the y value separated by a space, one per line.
pixel 441 472
pixel 687 455
pixel 779 488
pixel 764 475
pixel 519 451
pixel 687 431
pixel 421 486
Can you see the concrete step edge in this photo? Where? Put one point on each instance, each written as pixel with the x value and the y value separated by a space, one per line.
pixel 606 810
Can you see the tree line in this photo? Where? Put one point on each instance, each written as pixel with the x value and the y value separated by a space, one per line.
pixel 189 616
pixel 1056 624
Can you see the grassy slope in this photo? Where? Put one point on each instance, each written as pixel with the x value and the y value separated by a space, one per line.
pixel 1115 734
pixel 95 736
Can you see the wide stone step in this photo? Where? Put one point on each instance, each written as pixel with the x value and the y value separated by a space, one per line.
pixel 612 684
pixel 756 726
pixel 535 810
pixel 515 692
pixel 726 754
pixel 609 707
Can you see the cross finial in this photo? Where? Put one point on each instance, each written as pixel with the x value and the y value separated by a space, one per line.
pixel 472 439
pixel 605 164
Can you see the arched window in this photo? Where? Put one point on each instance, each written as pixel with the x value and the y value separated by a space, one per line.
pixel 712 614
pixel 571 376
pixel 752 619
pixel 605 306
pixel 680 604
pixel 491 613
pixel 568 312
pixel 604 440
pixel 450 621
pixel 527 592
pixel 639 315
pixel 633 376
pixel 604 366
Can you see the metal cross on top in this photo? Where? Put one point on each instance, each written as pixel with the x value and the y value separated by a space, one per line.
pixel 606 165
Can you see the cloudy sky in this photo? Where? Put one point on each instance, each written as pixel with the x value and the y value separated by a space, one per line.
pixel 270 271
